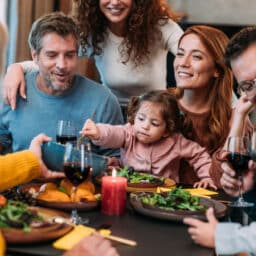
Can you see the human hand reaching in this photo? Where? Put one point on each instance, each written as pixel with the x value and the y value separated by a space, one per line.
pixel 90 130
pixel 203 233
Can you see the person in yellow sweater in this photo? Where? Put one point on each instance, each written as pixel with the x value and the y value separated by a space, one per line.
pixel 27 165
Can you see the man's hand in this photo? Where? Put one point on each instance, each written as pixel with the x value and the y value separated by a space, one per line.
pixel 231 184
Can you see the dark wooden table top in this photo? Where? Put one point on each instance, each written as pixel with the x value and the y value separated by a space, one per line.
pixel 154 237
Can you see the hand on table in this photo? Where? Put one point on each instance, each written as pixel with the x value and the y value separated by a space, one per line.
pixel 201 232
pixel 35 147
pixel 94 245
pixel 205 183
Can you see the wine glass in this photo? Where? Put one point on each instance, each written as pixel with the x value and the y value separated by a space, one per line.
pixel 239 155
pixel 77 167
pixel 66 132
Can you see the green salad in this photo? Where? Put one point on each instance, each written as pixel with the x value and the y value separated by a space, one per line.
pixel 16 214
pixel 138 177
pixel 176 199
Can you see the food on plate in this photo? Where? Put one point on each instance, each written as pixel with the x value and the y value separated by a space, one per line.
pixel 66 186
pixel 53 196
pixel 87 185
pixel 17 214
pixel 138 177
pixel 176 199
pixel 3 200
pixel 65 192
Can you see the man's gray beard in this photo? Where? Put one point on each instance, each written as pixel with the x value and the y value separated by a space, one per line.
pixel 56 88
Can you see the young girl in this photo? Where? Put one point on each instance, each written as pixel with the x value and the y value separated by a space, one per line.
pixel 151 141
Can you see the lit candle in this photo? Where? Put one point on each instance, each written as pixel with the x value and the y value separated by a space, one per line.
pixel 113 194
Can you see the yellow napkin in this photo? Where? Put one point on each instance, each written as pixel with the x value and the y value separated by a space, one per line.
pixel 73 237
pixel 201 192
pixel 193 191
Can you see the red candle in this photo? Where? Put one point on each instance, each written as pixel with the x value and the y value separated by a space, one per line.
pixel 113 194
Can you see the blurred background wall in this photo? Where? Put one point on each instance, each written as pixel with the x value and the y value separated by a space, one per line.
pixel 233 12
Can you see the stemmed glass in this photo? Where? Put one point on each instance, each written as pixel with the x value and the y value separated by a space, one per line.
pixel 66 132
pixel 77 166
pixel 239 156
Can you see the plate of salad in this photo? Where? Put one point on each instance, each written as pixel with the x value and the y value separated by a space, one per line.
pixel 140 179
pixel 23 224
pixel 175 205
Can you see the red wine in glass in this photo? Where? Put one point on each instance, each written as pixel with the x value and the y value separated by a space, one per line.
pixel 66 132
pixel 77 166
pixel 239 162
pixel 75 173
pixel 63 139
pixel 238 149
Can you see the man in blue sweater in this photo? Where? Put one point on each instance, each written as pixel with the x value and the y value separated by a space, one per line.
pixel 54 91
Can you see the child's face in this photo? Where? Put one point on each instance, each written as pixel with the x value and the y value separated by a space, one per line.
pixel 149 124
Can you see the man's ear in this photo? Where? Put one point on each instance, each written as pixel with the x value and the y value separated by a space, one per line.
pixel 34 56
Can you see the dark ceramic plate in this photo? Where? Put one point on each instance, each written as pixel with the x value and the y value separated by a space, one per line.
pixel 82 206
pixel 51 232
pixel 159 213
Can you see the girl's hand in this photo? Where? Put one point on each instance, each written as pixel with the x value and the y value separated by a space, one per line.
pixel 203 232
pixel 205 183
pixel 90 130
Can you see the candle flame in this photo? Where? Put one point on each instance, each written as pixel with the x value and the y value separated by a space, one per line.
pixel 114 172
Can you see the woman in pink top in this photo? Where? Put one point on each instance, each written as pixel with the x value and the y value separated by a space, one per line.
pixel 151 141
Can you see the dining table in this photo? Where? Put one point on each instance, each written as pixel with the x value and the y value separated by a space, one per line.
pixel 153 236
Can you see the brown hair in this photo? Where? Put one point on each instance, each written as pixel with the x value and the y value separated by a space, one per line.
pixel 167 99
pixel 220 95
pixel 143 23
pixel 240 42
pixel 55 22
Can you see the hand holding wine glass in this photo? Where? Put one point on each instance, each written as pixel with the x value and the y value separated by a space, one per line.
pixel 77 167
pixel 238 156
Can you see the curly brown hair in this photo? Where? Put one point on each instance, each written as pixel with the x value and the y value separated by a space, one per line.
pixel 167 99
pixel 220 95
pixel 142 27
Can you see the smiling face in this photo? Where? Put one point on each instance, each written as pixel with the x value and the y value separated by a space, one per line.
pixel 116 12
pixel 194 67
pixel 244 68
pixel 57 62
pixel 149 124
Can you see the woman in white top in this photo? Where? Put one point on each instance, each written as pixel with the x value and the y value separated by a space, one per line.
pixel 128 41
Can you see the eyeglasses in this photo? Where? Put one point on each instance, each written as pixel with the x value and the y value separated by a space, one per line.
pixel 246 86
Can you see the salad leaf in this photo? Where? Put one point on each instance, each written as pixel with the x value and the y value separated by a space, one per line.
pixel 16 214
pixel 138 177
pixel 176 199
